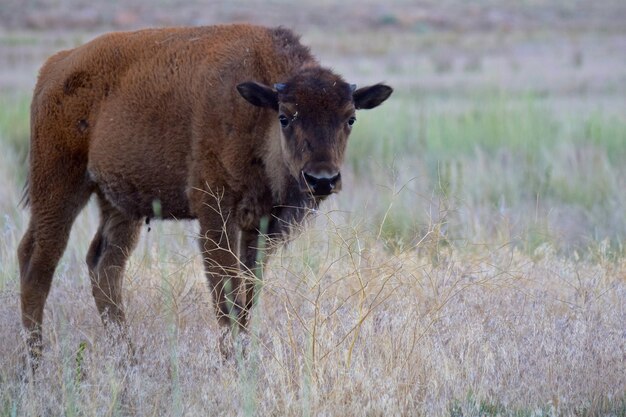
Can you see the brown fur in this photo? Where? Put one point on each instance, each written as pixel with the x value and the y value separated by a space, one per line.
pixel 165 116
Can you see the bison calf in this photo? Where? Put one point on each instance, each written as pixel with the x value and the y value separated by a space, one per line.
pixel 223 124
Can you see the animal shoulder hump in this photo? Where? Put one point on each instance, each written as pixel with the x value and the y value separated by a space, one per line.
pixel 287 43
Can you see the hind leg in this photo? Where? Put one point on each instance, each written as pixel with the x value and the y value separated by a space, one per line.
pixel 43 244
pixel 113 243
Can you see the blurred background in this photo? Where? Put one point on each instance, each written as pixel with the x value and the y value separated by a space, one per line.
pixel 508 124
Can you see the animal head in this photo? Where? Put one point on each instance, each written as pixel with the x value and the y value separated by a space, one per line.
pixel 315 110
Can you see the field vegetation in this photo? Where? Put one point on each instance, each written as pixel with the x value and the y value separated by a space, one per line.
pixel 473 265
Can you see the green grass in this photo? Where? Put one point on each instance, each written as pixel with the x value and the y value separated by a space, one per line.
pixel 473 406
pixel 16 40
pixel 500 155
pixel 490 121
pixel 490 153
pixel 604 132
pixel 15 122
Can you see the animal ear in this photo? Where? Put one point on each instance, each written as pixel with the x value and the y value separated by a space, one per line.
pixel 372 96
pixel 258 94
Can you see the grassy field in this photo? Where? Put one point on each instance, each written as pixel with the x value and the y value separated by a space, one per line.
pixel 473 265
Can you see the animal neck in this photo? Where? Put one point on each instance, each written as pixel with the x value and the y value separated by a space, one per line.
pixel 275 168
pixel 290 205
pixel 293 211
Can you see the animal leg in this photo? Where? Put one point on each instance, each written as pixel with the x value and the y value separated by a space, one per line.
pixel 110 248
pixel 41 248
pixel 248 251
pixel 218 244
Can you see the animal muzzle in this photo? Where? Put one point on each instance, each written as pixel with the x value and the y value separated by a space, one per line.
pixel 321 184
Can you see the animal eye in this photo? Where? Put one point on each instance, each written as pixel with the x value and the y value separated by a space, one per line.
pixel 351 121
pixel 284 121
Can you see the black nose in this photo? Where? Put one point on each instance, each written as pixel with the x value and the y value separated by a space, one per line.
pixel 321 185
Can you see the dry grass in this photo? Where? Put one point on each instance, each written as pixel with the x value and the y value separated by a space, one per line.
pixel 474 265
pixel 344 327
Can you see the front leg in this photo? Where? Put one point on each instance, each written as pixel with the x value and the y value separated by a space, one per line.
pixel 219 244
pixel 252 265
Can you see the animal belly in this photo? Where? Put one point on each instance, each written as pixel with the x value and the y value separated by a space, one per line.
pixel 142 194
pixel 140 167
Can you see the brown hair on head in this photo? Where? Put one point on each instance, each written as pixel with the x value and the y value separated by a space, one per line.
pixel 318 97
pixel 317 84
